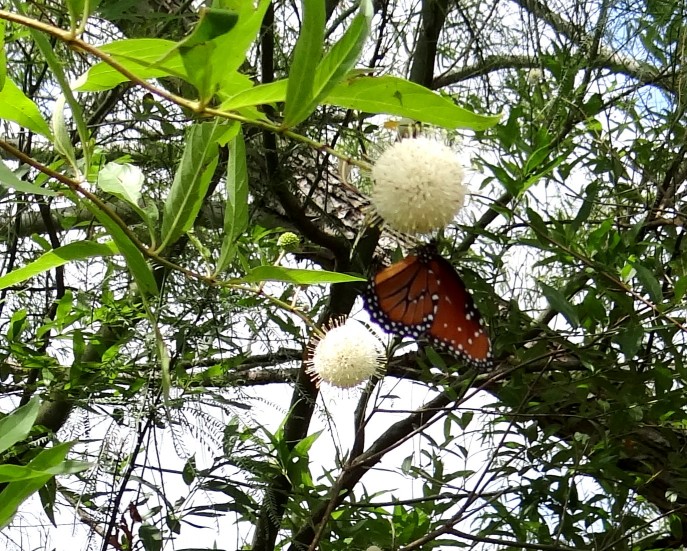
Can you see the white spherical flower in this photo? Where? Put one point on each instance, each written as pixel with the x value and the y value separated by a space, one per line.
pixel 418 185
pixel 374 548
pixel 345 356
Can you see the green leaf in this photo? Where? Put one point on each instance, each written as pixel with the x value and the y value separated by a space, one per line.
pixel 16 107
pixel 80 250
pixel 339 60
pixel 191 181
pixel 77 10
pixel 10 180
pixel 560 304
pixel 236 211
pixel 122 180
pixel 15 493
pixel 63 143
pixel 297 276
pixel 396 96
pixel 649 282
pixel 3 57
pixel 232 47
pixel 189 472
pixel 629 338
pixel 199 48
pixel 675 524
pixel 306 57
pixel 200 72
pixel 151 537
pixel 538 225
pixel 57 67
pixel 680 288
pixel 303 446
pixel 135 261
pixel 146 58
pixel 16 426
pixel 543 171
pixel 16 473
pixel 213 22
pixel 258 95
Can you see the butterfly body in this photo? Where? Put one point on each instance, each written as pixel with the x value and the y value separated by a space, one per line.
pixel 422 295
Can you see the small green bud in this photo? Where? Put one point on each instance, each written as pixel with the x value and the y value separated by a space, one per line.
pixel 288 241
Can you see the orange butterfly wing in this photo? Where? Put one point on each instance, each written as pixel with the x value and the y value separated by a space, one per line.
pixel 400 297
pixel 423 295
pixel 458 326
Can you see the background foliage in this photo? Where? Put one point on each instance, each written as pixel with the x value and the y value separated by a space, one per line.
pixel 153 153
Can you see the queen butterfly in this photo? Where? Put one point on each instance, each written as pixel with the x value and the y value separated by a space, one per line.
pixel 423 295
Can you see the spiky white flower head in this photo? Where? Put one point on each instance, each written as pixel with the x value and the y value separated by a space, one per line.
pixel 345 356
pixel 418 185
pixel 374 548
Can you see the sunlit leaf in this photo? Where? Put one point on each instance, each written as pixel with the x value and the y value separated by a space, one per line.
pixel 236 211
pixel 10 180
pixel 16 107
pixel 396 96
pixel 306 57
pixel 191 180
pixel 16 426
pixel 141 56
pixel 81 250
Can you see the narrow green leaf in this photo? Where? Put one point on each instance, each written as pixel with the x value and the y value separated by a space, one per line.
pixel 199 72
pixel 16 473
pixel 191 181
pixel 343 56
pixel 189 471
pixel 57 67
pixel 75 8
pixel 680 288
pixel 589 201
pixel 16 426
pixel 135 261
pixel 63 143
pixel 232 47
pixel 80 250
pixel 213 22
pixel 560 304
pixel 629 338
pixel 151 537
pixel 15 493
pixel 236 211
pixel 144 57
pixel 3 57
pixel 298 276
pixel 303 447
pixel 10 180
pixel 649 281
pixel 258 95
pixel 536 159
pixel 543 171
pixel 198 49
pixel 306 57
pixel 340 59
pixel 396 96
pixel 538 225
pixel 16 107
